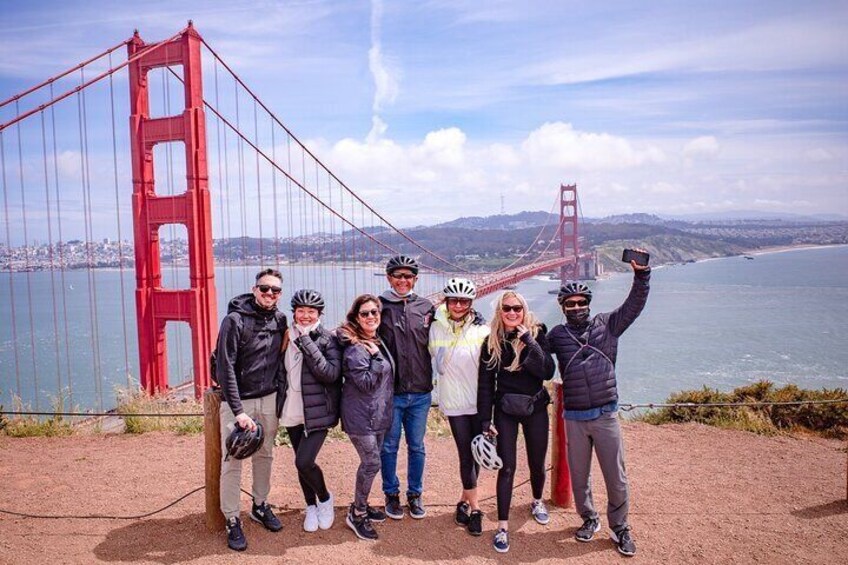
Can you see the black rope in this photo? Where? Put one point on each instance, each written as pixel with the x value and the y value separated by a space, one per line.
pixel 629 407
pixel 100 516
pixel 96 414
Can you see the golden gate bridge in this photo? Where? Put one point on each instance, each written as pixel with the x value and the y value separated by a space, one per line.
pixel 75 184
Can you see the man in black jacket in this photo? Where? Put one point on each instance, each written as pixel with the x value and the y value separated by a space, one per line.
pixel 405 329
pixel 248 368
pixel 586 350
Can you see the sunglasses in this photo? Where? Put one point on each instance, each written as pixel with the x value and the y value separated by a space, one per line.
pixel 506 308
pixel 404 276
pixel 275 290
pixel 368 313
pixel 460 301
pixel 576 303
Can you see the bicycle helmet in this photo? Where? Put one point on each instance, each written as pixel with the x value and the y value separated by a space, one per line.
pixel 307 297
pixel 402 262
pixel 485 451
pixel 460 288
pixel 243 443
pixel 572 288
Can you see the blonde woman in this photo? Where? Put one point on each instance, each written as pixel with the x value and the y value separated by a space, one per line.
pixel 514 365
pixel 456 338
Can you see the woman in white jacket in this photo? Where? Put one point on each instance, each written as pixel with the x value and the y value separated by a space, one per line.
pixel 456 338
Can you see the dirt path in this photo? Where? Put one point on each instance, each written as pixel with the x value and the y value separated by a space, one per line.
pixel 700 495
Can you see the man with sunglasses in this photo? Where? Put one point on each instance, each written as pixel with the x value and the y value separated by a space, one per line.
pixel 586 349
pixel 405 329
pixel 249 369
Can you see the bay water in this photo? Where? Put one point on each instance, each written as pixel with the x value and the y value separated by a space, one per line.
pixel 720 323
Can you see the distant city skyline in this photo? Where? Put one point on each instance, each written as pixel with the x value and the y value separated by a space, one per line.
pixel 432 110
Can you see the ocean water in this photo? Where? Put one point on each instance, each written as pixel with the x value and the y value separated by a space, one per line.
pixel 721 323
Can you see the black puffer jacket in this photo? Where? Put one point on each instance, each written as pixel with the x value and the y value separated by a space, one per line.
pixel 405 329
pixel 586 355
pixel 252 367
pixel 537 366
pixel 320 380
pixel 367 392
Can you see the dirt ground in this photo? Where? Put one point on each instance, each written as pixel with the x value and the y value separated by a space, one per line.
pixel 699 495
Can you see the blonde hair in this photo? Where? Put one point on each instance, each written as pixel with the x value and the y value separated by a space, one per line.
pixel 497 337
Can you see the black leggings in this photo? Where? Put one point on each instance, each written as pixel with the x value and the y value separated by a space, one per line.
pixel 535 429
pixel 463 429
pixel 306 448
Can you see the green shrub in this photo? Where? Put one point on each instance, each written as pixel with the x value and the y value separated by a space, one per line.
pixel 137 401
pixel 828 420
pixel 33 426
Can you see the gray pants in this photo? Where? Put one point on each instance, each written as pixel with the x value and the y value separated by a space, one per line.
pixel 604 434
pixel 264 411
pixel 368 446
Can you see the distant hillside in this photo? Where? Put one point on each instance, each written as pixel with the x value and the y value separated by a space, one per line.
pixel 503 221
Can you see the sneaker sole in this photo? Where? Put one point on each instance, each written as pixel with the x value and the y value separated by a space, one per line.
pixel 422 516
pixel 258 521
pixel 237 548
pixel 542 522
pixel 501 550
pixel 355 531
pixel 395 516
pixel 618 547
pixel 475 534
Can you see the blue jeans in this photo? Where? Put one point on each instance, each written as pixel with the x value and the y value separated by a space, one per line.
pixel 410 412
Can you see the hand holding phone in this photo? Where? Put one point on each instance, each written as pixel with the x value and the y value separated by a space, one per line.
pixel 639 256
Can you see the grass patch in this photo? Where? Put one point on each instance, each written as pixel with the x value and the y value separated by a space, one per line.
pixel 139 402
pixel 34 426
pixel 825 420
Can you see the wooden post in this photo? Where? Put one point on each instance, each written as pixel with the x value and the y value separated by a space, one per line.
pixel 212 433
pixel 560 475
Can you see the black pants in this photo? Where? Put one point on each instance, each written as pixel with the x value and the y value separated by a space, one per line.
pixel 463 429
pixel 306 448
pixel 535 429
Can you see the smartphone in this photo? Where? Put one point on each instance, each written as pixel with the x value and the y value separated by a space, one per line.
pixel 640 257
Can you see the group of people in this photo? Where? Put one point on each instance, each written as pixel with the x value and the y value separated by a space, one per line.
pixel 375 373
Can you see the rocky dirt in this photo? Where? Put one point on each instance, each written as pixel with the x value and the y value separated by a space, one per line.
pixel 699 495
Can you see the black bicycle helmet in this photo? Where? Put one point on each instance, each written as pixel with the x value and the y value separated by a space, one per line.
pixel 243 443
pixel 572 288
pixel 307 297
pixel 402 262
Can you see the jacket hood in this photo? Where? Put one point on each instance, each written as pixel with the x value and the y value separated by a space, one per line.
pixel 390 296
pixel 245 304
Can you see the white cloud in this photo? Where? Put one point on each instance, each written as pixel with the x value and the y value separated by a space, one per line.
pixel 704 146
pixel 560 145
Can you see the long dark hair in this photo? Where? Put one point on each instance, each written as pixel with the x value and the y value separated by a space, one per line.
pixel 352 329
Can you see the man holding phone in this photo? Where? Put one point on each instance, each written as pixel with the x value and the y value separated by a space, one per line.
pixel 586 350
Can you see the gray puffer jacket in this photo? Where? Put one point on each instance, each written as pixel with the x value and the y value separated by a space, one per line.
pixel 586 354
pixel 368 390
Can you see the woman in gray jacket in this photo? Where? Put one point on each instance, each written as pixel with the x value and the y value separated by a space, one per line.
pixel 367 393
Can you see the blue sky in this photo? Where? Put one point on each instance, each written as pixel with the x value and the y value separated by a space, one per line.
pixel 435 109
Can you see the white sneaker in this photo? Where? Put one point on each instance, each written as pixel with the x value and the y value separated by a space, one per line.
pixel 310 523
pixel 326 513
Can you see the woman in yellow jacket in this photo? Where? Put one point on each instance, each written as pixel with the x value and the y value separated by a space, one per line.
pixel 456 338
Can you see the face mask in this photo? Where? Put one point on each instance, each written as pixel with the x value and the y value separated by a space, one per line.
pixel 577 316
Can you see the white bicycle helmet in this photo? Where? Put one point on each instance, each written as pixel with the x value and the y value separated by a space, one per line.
pixel 485 451
pixel 460 288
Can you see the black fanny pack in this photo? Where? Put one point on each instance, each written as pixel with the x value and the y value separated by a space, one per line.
pixel 521 404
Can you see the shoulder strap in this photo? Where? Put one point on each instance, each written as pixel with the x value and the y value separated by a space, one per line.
pixel 582 346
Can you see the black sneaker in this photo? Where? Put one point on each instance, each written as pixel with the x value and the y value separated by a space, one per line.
pixel 624 541
pixel 587 531
pixel 475 523
pixel 501 541
pixel 393 508
pixel 416 507
pixel 265 516
pixel 376 515
pixel 462 513
pixel 361 525
pixel 235 536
